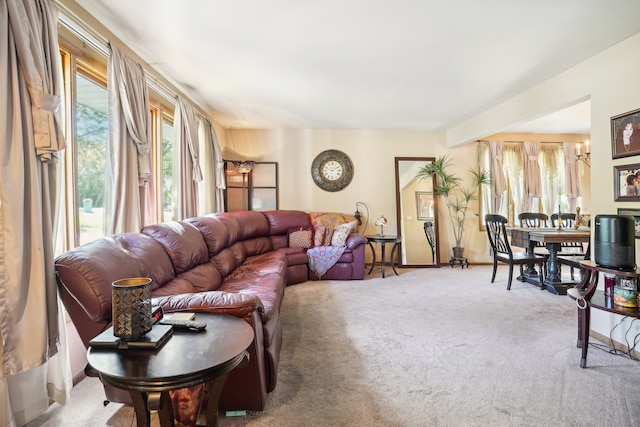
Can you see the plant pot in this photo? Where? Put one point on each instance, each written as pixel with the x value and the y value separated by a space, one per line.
pixel 458 252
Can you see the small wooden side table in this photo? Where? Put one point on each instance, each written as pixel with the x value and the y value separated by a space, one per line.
pixel 587 297
pixel 186 360
pixel 383 240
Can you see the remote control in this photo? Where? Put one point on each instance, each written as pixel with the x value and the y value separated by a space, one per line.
pixel 191 325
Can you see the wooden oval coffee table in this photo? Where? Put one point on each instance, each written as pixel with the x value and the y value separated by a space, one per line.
pixel 187 359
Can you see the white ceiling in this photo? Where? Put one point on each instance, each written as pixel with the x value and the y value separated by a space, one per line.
pixel 367 64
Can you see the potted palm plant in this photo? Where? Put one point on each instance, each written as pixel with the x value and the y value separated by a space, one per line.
pixel 456 196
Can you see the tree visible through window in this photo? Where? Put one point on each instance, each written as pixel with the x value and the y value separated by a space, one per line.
pixel 91 132
pixel 168 187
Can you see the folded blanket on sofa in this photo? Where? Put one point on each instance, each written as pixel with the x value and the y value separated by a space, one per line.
pixel 322 258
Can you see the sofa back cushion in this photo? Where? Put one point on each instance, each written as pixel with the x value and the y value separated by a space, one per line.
pixel 183 243
pixel 331 219
pixel 189 254
pixel 281 221
pixel 87 271
pixel 213 231
pixel 254 232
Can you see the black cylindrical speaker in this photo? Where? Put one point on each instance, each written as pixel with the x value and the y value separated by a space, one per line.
pixel 614 241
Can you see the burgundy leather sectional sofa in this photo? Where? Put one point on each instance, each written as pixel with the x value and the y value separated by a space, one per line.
pixel 237 263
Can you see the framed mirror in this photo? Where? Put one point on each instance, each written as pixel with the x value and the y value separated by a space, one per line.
pixel 417 214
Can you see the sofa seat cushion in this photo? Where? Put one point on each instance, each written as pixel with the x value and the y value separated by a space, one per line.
pixel 263 276
pixel 295 256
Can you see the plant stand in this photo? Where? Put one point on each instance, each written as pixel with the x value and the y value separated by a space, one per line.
pixel 459 260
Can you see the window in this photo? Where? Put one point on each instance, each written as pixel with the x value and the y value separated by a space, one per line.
pixel 86 130
pixel 513 202
pixel 84 64
pixel 91 133
pixel 264 186
pixel 168 186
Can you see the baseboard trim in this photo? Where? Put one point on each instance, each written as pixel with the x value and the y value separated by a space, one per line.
pixel 617 345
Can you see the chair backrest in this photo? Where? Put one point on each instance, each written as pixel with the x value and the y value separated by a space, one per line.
pixel 431 236
pixel 568 219
pixel 497 231
pixel 533 219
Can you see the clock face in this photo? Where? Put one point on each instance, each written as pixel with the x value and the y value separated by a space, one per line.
pixel 332 170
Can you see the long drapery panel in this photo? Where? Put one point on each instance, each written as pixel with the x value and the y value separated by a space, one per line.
pixel 572 179
pixel 221 180
pixel 210 193
pixel 497 174
pixel 128 164
pixel 187 159
pixel 35 366
pixel 532 181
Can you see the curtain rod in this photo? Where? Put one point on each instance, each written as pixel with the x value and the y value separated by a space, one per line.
pixel 541 142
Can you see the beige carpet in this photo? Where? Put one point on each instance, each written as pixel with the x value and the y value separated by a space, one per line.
pixel 431 347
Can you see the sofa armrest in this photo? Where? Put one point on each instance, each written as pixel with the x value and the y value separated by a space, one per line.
pixel 236 304
pixel 354 240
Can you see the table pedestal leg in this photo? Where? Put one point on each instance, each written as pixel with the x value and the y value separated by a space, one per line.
pixel 373 262
pixel 144 403
pixel 393 257
pixel 530 271
pixel 143 417
pixel 215 391
pixel 382 260
pixel 553 279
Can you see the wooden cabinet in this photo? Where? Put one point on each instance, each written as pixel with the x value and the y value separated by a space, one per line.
pixel 256 190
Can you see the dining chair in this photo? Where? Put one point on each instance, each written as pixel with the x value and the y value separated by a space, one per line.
pixel 568 219
pixel 533 219
pixel 431 238
pixel 536 220
pixel 570 252
pixel 496 226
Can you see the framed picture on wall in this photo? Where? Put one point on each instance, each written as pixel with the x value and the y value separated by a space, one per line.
pixel 635 213
pixel 626 183
pixel 625 134
pixel 424 204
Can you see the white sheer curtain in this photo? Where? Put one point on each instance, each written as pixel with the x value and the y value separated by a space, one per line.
pixel 513 158
pixel 572 178
pixel 496 148
pixel 128 163
pixel 210 193
pixel 35 364
pixel 550 159
pixel 486 193
pixel 187 159
pixel 532 181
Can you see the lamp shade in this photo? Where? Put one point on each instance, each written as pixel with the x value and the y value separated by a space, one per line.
pixel 244 166
pixel 131 308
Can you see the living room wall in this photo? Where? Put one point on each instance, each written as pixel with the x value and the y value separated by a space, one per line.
pixel 609 79
pixel 372 153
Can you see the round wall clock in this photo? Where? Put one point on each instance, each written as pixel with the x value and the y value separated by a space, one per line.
pixel 332 170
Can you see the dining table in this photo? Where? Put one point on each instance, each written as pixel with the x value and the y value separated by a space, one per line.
pixel 552 239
